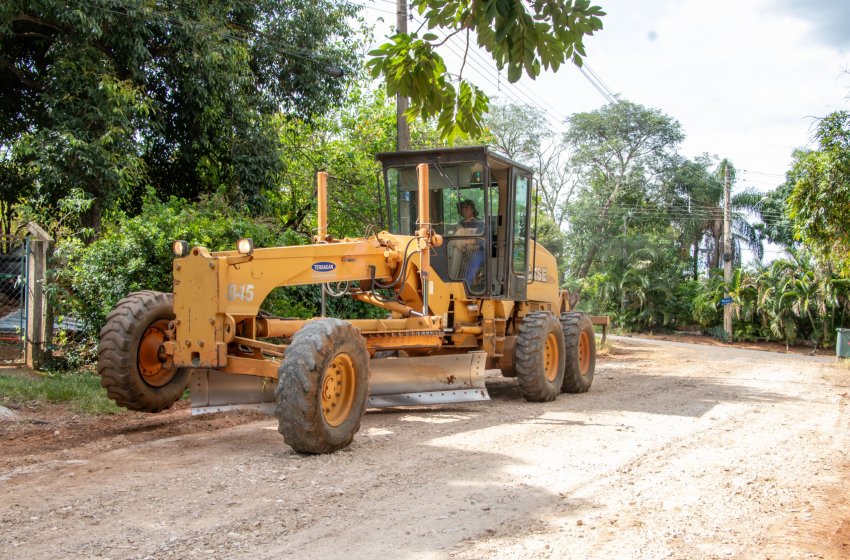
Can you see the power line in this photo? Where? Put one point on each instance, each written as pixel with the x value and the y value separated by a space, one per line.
pixel 599 80
pixel 760 173
pixel 598 87
pixel 510 91
pixel 377 9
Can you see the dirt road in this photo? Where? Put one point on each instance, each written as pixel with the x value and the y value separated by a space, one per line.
pixel 679 451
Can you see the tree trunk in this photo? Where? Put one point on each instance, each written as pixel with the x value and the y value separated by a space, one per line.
pixel 91 218
pixel 588 261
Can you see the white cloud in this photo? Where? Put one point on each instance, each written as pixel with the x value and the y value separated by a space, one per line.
pixel 745 78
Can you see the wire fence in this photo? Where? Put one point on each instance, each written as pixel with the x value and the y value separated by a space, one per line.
pixel 66 345
pixel 13 309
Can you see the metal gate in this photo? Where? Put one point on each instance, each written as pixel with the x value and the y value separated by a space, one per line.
pixel 13 295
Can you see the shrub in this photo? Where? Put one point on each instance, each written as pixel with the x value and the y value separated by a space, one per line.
pixel 135 254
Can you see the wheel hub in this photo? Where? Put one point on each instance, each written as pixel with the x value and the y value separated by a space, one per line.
pixel 338 390
pixel 550 357
pixel 151 359
pixel 583 353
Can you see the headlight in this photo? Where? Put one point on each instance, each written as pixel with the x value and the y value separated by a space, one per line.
pixel 245 246
pixel 180 248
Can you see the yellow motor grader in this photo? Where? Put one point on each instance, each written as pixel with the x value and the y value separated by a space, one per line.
pixel 464 284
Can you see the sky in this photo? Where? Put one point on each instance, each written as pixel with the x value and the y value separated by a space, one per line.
pixel 746 79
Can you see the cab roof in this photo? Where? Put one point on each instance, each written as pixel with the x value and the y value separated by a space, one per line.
pixel 445 156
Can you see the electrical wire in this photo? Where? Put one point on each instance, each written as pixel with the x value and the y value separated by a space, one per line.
pixel 509 90
pixel 597 86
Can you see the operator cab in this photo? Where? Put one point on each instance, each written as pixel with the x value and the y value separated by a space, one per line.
pixel 479 203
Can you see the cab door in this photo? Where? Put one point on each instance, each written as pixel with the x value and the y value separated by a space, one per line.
pixel 518 224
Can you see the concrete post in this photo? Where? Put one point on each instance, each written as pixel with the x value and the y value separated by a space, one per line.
pixel 38 247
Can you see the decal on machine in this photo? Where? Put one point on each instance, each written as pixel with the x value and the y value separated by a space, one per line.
pixel 242 292
pixel 323 267
pixel 540 274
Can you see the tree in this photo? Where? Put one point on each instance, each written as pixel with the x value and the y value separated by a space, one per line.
pixel 108 96
pixel 517 130
pixel 636 281
pixel 16 184
pixel 620 150
pixel 689 187
pixel 694 197
pixel 773 211
pixel 521 37
pixel 821 194
pixel 522 133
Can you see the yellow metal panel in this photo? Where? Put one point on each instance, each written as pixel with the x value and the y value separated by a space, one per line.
pixel 196 304
pixel 544 288
pixel 246 285
pixel 251 366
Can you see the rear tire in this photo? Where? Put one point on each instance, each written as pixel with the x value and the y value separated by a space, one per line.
pixel 323 383
pixel 580 342
pixel 539 357
pixel 128 359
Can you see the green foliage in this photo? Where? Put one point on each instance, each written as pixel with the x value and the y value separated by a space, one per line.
pixel 81 390
pixel 522 132
pixel 60 217
pixel 821 194
pixel 693 196
pixel 792 299
pixel 550 236
pixel 17 183
pixel 343 143
pixel 521 37
pixel 638 285
pixel 707 311
pixel 135 254
pixel 110 96
pixel 773 211
pixel 682 304
pixel 619 152
pixel 413 69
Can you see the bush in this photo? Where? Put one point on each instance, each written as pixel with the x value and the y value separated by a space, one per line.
pixel 681 307
pixel 135 254
pixel 706 308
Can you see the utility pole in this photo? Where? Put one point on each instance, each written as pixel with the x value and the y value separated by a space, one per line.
pixel 402 127
pixel 727 249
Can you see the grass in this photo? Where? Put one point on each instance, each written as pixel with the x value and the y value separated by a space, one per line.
pixel 79 389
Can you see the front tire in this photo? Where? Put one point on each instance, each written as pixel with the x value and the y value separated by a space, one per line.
pixel 539 357
pixel 323 383
pixel 580 342
pixel 131 365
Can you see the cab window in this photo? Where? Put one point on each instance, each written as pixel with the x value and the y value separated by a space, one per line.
pixel 521 226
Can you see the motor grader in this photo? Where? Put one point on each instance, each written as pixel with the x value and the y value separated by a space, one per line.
pixel 463 282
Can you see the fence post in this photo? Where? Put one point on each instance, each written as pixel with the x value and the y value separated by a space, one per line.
pixel 37 249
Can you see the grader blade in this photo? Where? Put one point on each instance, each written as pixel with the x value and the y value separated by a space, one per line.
pixel 213 391
pixel 452 378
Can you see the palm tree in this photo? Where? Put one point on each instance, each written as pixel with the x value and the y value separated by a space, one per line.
pixel 695 201
pixel 639 280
